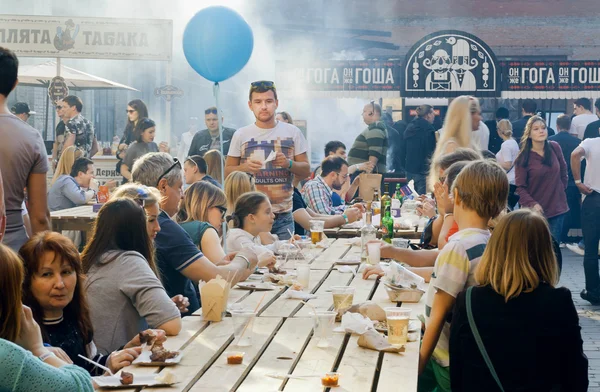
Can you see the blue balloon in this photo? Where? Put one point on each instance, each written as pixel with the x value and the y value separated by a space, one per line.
pixel 217 43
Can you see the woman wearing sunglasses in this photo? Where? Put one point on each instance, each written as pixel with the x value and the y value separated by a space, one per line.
pixel 202 215
pixel 144 135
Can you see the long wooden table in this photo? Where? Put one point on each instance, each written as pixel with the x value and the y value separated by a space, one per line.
pixel 283 341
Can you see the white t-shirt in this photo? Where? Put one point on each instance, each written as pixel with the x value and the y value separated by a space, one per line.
pixel 508 153
pixel 481 137
pixel 579 123
pixel 186 143
pixel 252 142
pixel 592 156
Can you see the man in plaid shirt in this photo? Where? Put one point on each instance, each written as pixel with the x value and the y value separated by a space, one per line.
pixel 317 192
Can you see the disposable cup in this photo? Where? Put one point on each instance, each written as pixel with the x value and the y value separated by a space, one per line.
pixel 323 327
pixel 374 253
pixel 397 321
pixel 243 325
pixel 343 296
pixel 303 275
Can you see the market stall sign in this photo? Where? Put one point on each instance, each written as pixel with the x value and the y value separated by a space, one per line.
pixel 97 38
pixel 448 64
pixel 550 75
pixel 57 90
pixel 168 92
pixel 365 75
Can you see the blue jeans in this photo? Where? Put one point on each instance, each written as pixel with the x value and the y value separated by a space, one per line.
pixel 590 224
pixel 556 225
pixel 420 181
pixel 283 223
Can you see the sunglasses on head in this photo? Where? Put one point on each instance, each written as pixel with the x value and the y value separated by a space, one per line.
pixel 177 163
pixel 130 111
pixel 262 84
pixel 209 111
pixel 143 196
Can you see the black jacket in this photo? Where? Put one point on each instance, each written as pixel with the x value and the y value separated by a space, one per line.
pixel 400 127
pixel 202 141
pixel 533 341
pixel 495 141
pixel 418 146
pixel 519 128
pixel 592 130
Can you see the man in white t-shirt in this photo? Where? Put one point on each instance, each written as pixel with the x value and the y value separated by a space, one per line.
pixel 582 108
pixel 590 213
pixel 273 151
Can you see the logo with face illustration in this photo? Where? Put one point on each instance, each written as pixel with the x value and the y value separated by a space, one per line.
pixel 450 63
pixel 65 39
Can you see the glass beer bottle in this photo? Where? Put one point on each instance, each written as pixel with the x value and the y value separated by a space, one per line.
pixel 367 233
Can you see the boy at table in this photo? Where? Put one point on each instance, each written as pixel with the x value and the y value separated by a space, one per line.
pixel 480 194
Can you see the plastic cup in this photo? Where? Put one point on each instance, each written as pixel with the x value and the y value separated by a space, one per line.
pixel 243 325
pixel 303 275
pixel 323 326
pixel 343 296
pixel 316 230
pixel 374 253
pixel 397 321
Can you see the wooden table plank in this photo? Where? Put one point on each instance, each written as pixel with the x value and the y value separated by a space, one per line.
pixel 357 368
pixel 315 360
pixel 200 353
pixel 283 307
pixel 324 300
pixel 287 343
pixel 221 376
pixel 235 295
pixel 330 256
pixel 400 374
pixel 251 301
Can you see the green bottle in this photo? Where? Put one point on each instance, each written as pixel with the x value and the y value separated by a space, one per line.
pixel 387 226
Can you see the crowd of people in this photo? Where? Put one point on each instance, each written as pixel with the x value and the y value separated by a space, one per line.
pixel 498 205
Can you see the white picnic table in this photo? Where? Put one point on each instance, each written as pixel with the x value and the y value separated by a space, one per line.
pixel 283 342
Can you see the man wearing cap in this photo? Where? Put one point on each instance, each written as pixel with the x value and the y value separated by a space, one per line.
pixel 21 110
pixel 208 139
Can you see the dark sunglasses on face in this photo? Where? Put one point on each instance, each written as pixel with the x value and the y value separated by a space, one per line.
pixel 223 211
pixel 262 84
pixel 209 111
pixel 177 163
pixel 130 111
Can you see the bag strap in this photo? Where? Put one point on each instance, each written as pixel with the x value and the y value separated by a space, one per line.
pixel 480 345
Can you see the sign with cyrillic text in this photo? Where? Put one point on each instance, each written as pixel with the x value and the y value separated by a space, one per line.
pixel 89 38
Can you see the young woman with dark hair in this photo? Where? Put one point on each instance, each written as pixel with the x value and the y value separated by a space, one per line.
pixel 53 289
pixel 143 143
pixel 541 175
pixel 22 351
pixel 124 291
pixel 136 110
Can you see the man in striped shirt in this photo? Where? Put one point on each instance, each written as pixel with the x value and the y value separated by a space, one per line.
pixel 480 192
pixel 372 143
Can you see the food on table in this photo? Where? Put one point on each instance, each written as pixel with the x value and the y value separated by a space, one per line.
pixel 381 325
pixel 166 377
pixel 126 378
pixel 330 380
pixel 297 287
pixel 274 270
pixel 148 336
pixel 235 358
pixel 160 354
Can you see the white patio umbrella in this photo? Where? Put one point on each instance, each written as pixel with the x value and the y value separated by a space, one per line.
pixel 41 75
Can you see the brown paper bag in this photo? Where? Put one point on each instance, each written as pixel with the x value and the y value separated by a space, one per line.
pixel 214 295
pixel 368 184
pixel 373 340
pixel 367 309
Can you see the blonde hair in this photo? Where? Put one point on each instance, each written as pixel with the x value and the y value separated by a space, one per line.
pixel 236 184
pixel 11 285
pixel 213 160
pixel 505 128
pixel 135 191
pixel 200 197
pixel 482 186
pixel 457 128
pixel 65 163
pixel 518 256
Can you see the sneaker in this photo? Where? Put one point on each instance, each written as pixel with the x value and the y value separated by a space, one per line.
pixel 591 298
pixel 576 249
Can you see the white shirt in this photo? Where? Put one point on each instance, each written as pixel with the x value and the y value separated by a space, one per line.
pixel 592 156
pixel 508 153
pixel 580 122
pixel 252 142
pixel 186 143
pixel 481 137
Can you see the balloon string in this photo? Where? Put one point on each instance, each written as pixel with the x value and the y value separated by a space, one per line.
pixel 216 91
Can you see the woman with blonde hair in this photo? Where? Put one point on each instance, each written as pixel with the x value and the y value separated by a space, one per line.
pixel 202 215
pixel 236 184
pixel 65 163
pixel 462 119
pixel 506 157
pixel 22 350
pixel 517 331
pixel 147 197
pixel 285 117
pixel 541 175
pixel 214 164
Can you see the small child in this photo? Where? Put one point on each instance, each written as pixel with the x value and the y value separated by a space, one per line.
pixel 480 193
